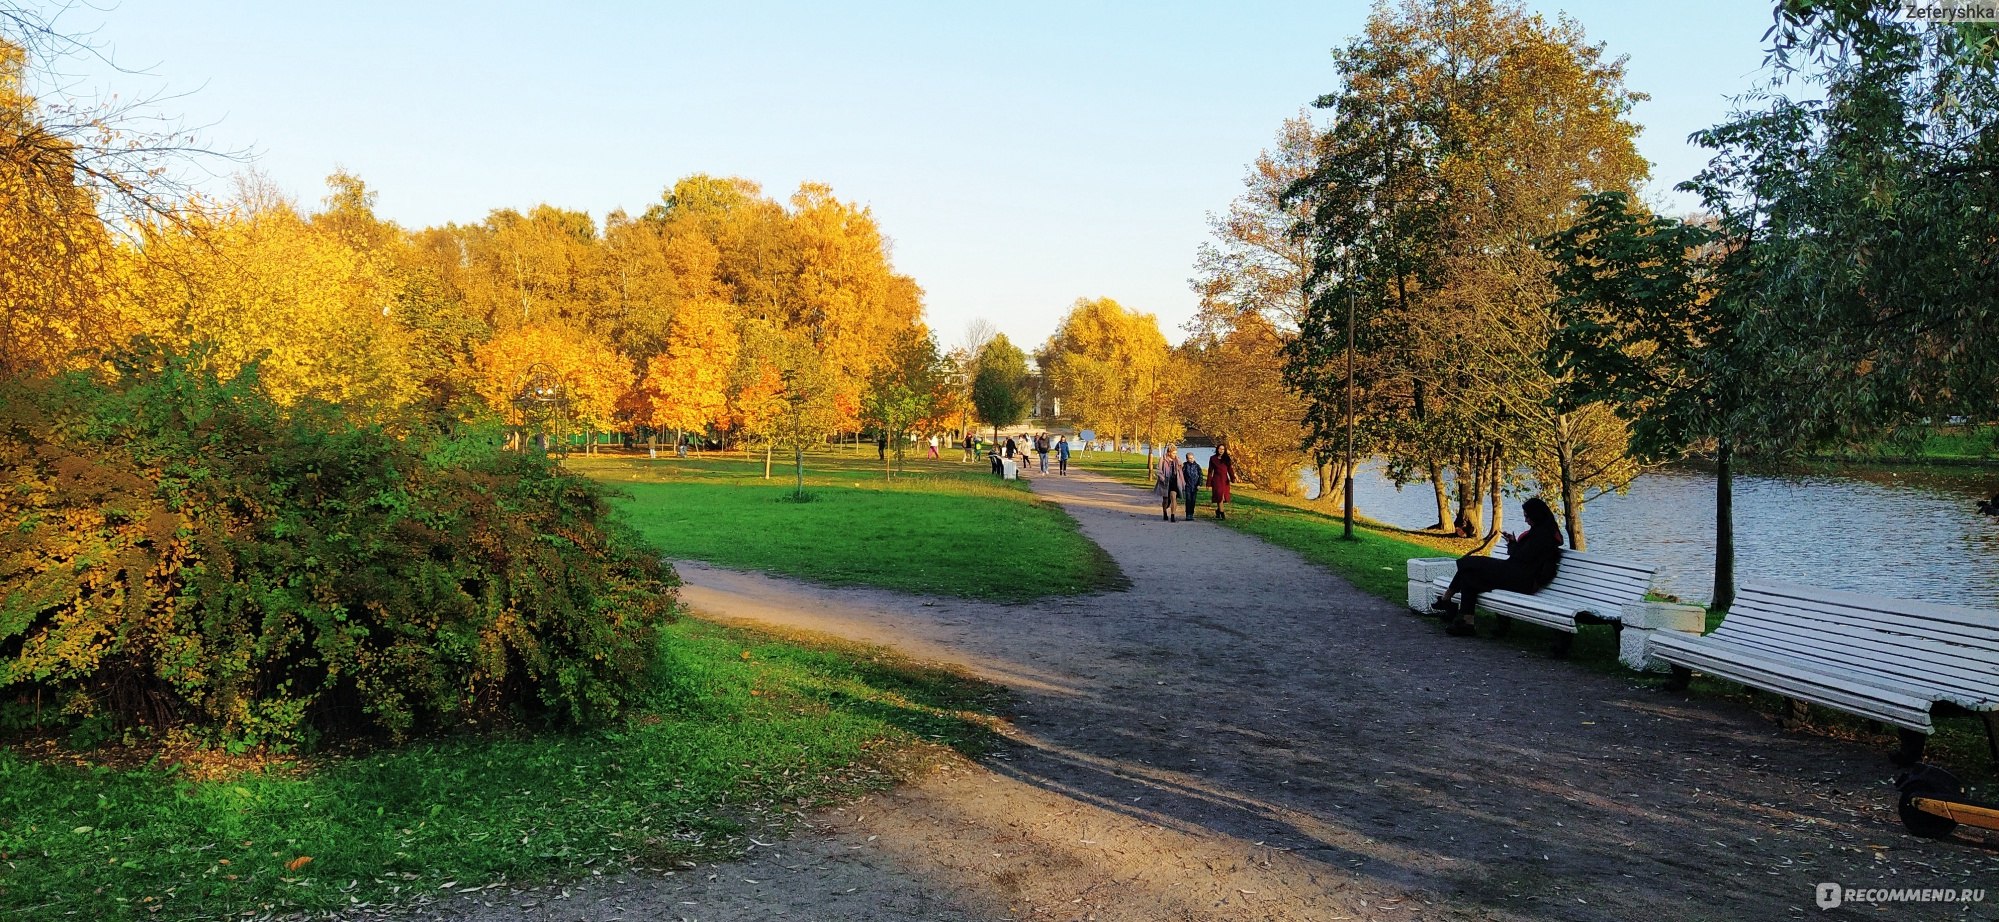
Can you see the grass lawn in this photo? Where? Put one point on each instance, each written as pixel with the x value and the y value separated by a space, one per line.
pixel 1377 564
pixel 745 729
pixel 940 528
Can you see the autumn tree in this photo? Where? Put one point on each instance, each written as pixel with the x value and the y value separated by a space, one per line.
pixel 688 381
pixel 1252 278
pixel 590 379
pixel 1108 364
pixel 1464 131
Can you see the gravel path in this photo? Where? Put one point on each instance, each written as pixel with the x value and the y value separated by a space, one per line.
pixel 1242 735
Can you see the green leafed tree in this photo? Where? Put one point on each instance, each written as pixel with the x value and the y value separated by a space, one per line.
pixel 1000 393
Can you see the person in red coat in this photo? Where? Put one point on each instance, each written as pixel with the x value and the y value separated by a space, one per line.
pixel 1221 472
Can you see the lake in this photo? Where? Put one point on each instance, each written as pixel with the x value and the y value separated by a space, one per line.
pixel 1904 532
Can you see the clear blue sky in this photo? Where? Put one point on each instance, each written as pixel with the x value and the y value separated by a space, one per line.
pixel 1020 154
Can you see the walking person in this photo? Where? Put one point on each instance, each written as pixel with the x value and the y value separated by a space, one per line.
pixel 1041 448
pixel 933 448
pixel 1221 473
pixel 1062 454
pixel 1190 483
pixel 1531 560
pixel 1167 484
pixel 881 446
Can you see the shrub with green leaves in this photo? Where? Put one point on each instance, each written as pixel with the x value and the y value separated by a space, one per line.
pixel 179 553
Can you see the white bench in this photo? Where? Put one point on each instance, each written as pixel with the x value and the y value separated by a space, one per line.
pixel 1890 660
pixel 1586 590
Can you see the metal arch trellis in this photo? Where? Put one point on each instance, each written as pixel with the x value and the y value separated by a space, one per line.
pixel 543 403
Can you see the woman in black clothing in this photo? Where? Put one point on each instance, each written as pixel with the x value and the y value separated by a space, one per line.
pixel 1529 564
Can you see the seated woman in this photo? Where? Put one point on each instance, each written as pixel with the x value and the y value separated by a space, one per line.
pixel 1529 565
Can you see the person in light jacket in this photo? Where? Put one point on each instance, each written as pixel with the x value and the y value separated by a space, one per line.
pixel 1190 483
pixel 1167 483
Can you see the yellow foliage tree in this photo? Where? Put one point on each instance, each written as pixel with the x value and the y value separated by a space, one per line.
pixel 256 282
pixel 1110 366
pixel 687 384
pixel 591 374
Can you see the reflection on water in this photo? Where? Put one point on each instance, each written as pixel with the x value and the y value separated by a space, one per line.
pixel 1907 533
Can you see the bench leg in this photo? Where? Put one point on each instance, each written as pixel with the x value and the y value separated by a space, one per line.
pixel 1912 747
pixel 1564 641
pixel 1502 627
pixel 1681 677
pixel 1992 735
pixel 1799 713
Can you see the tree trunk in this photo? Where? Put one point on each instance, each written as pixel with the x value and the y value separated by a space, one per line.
pixel 1572 505
pixel 767 447
pixel 1724 525
pixel 1443 497
pixel 1332 483
pixel 1493 486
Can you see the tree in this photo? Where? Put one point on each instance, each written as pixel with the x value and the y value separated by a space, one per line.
pixel 1464 131
pixel 1252 278
pixel 1236 393
pixel 1109 365
pixel 905 390
pixel 1000 387
pixel 688 382
pixel 1867 219
pixel 1647 328
pixel 589 376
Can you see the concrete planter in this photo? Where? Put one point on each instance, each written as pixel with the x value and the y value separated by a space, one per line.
pixel 1641 619
pixel 1423 572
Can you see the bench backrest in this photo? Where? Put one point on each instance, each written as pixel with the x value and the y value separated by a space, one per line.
pixel 1953 652
pixel 1604 579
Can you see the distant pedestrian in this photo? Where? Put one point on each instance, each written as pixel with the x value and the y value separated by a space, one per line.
pixel 1009 446
pixel 1190 483
pixel 1167 484
pixel 1062 453
pixel 1221 473
pixel 1041 448
pixel 971 445
pixel 933 448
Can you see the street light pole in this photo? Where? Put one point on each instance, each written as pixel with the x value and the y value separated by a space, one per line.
pixel 1350 420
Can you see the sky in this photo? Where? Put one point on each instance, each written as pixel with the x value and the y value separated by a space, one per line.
pixel 1019 155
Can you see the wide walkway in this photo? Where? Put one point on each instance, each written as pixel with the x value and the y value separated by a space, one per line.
pixel 1242 735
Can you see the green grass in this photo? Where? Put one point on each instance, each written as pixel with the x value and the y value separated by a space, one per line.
pixel 744 728
pixel 940 528
pixel 1945 444
pixel 1376 563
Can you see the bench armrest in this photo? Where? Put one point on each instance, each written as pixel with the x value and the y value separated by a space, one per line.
pixel 1426 569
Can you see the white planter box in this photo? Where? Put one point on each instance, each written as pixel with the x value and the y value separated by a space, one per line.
pixel 1422 592
pixel 1666 616
pixel 1429 568
pixel 1643 618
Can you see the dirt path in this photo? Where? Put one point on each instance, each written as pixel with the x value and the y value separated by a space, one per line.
pixel 1244 736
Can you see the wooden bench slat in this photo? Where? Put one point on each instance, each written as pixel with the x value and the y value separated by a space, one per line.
pixel 1933 669
pixel 1786 678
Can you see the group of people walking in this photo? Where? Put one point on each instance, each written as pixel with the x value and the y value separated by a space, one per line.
pixel 1177 481
pixel 1040 444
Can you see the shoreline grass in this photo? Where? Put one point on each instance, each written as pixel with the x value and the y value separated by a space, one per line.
pixel 746 729
pixel 941 528
pixel 1376 564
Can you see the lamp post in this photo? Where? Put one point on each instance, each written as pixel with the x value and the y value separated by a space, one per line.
pixel 1350 418
pixel 796 398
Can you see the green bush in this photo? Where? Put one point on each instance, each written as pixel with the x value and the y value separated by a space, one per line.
pixel 182 554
